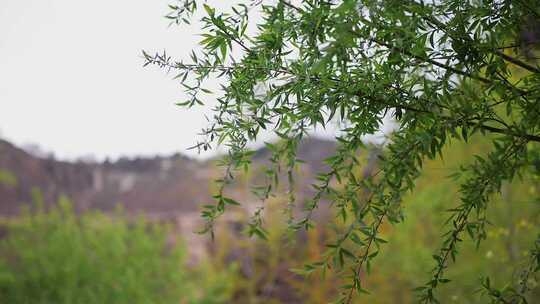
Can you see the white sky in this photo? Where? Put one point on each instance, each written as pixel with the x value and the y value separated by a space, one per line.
pixel 72 81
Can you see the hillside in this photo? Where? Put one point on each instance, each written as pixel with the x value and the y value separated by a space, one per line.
pixel 159 186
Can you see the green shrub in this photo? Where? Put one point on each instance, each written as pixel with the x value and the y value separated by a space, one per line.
pixel 59 257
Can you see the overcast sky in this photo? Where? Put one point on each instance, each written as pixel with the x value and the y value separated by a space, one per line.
pixel 72 81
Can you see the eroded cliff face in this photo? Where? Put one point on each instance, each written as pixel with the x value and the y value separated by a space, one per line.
pixel 160 187
pixel 170 189
pixel 33 174
pixel 157 185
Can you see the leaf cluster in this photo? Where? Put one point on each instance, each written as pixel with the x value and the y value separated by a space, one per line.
pixel 443 70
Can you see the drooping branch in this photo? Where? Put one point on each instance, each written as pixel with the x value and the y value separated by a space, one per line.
pixel 282 70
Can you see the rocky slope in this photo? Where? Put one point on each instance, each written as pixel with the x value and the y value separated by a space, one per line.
pixel 158 186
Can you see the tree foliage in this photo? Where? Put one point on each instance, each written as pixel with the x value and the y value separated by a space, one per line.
pixel 445 70
pixel 57 256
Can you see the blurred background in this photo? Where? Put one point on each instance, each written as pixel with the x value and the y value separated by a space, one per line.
pixel 100 199
pixel 79 64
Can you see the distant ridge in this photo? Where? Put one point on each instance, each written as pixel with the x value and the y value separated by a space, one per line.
pixel 157 185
